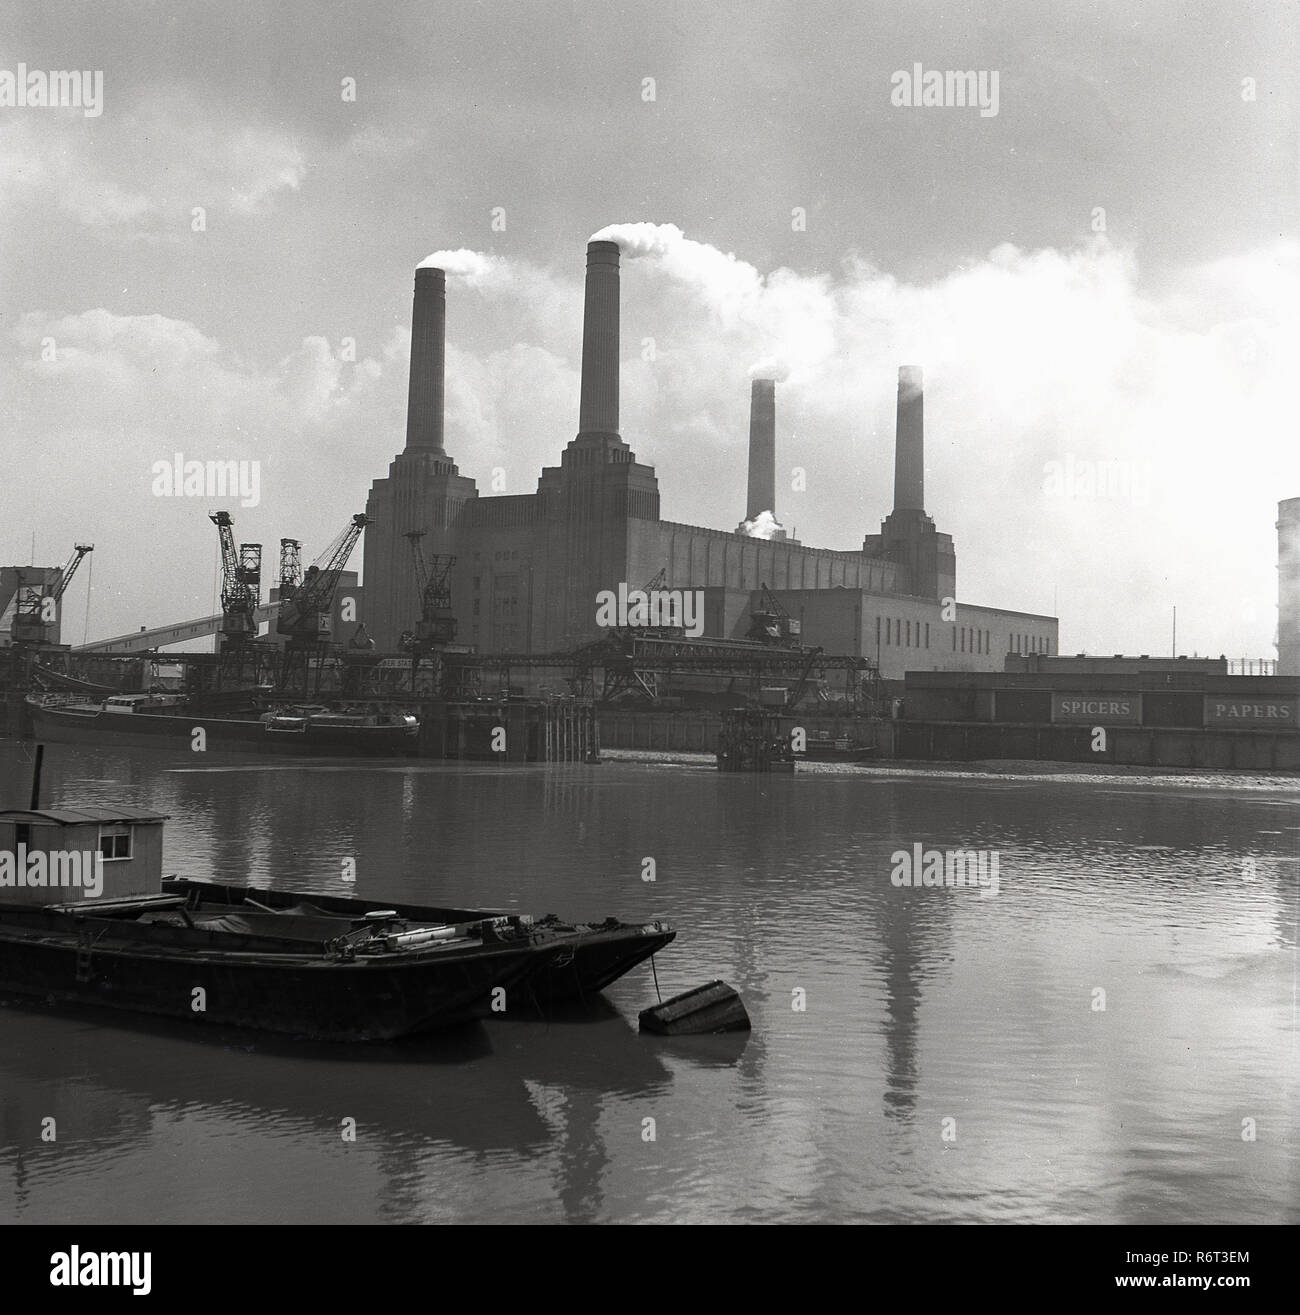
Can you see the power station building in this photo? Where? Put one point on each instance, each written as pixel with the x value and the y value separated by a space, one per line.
pixel 530 567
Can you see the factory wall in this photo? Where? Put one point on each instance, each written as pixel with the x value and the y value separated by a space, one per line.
pixel 901 633
pixel 1136 697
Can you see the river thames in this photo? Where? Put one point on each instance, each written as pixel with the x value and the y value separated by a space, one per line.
pixel 1111 1037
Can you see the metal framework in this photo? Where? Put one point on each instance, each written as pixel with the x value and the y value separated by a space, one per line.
pixel 32 621
pixel 628 664
pixel 304 615
pixel 437 623
pixel 241 583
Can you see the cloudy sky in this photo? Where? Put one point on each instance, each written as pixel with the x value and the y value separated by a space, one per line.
pixel 1099 279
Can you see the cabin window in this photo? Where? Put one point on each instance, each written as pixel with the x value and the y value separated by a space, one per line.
pixel 115 840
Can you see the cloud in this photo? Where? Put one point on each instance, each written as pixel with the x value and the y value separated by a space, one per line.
pixel 166 158
pixel 94 399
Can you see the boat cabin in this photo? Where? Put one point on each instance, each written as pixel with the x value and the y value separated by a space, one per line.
pixel 142 702
pixel 69 855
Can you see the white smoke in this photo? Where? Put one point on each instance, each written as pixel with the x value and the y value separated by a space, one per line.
pixel 764 526
pixel 770 367
pixel 642 239
pixel 786 320
pixel 477 268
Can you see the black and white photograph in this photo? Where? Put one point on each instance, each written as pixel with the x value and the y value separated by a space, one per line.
pixel 642 612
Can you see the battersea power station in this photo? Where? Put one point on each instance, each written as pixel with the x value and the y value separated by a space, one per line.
pixel 530 569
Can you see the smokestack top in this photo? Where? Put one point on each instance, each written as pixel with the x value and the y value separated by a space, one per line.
pixel 424 400
pixel 909 378
pixel 598 400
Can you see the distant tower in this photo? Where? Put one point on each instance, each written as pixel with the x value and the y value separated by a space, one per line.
pixel 424 489
pixel 594 501
pixel 1288 587
pixel 908 535
pixel 761 492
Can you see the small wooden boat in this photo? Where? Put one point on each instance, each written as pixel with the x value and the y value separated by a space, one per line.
pixel 713 1007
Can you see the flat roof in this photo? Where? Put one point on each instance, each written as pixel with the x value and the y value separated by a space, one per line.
pixel 73 816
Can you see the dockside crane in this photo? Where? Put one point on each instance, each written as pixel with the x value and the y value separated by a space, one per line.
pixel 305 615
pixel 36 608
pixel 290 567
pixel 241 584
pixel 770 623
pixel 306 604
pixel 436 628
pixel 437 623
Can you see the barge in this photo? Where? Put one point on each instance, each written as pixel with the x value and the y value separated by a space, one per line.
pixel 161 721
pixel 86 918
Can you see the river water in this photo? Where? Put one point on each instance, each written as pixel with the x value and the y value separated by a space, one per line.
pixel 1111 1037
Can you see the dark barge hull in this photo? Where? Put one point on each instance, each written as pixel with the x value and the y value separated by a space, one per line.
pixel 588 956
pixel 158 970
pixel 235 735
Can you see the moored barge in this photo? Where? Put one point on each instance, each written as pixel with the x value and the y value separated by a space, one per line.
pixel 86 919
pixel 161 721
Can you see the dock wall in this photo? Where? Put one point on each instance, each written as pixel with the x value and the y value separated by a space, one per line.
pixel 1141 746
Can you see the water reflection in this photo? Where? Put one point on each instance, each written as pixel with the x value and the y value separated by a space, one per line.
pixel 916 1005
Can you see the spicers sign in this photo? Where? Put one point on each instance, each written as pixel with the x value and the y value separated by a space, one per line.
pixel 1100 709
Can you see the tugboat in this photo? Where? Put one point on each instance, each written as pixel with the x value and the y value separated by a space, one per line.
pixel 86 918
pixel 751 741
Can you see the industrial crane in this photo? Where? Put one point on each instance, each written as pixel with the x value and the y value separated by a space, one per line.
pixel 241 583
pixel 290 567
pixel 35 610
pixel 305 615
pixel 437 623
pixel 770 623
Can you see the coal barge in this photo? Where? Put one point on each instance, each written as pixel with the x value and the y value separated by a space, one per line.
pixel 87 919
pixel 160 721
